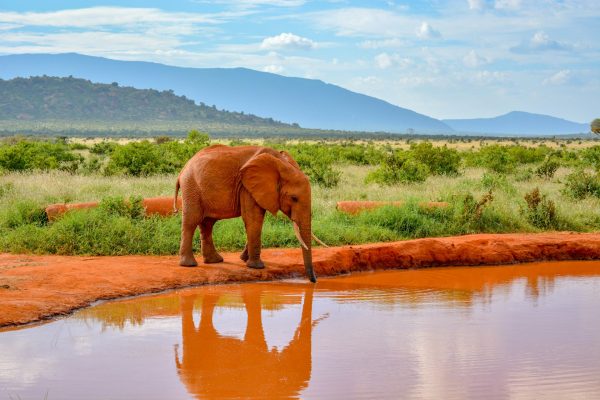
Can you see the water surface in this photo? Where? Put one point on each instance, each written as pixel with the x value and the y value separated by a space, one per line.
pixel 525 331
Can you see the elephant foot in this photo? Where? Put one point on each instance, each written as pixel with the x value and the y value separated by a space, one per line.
pixel 187 261
pixel 256 264
pixel 213 258
pixel 244 256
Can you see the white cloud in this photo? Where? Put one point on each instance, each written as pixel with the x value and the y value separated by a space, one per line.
pixel 287 41
pixel 474 60
pixel 540 41
pixel 385 60
pixel 255 3
pixel 274 69
pixel 107 16
pixel 507 4
pixel 560 78
pixel 480 5
pixel 426 31
pixel 362 22
pixel 490 77
pixel 477 4
pixel 385 43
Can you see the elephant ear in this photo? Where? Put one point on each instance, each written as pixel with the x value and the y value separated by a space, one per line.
pixel 288 157
pixel 260 177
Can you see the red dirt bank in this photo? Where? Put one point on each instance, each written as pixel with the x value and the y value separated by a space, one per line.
pixel 33 288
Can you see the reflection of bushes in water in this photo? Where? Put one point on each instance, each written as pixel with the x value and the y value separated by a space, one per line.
pixel 133 312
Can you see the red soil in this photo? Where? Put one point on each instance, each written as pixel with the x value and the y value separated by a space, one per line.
pixel 355 207
pixel 33 288
pixel 153 205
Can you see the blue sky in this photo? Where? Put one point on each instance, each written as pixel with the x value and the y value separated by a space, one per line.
pixel 446 59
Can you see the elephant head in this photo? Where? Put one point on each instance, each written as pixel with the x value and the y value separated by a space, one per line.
pixel 277 183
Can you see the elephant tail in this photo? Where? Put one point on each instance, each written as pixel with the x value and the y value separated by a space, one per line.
pixel 175 210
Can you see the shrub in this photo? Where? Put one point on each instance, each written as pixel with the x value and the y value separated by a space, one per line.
pixel 118 206
pixel 591 157
pixel 103 147
pixel 495 158
pixel 580 184
pixel 493 181
pixel 472 210
pixel 540 211
pixel 24 213
pixel 439 160
pixel 317 163
pixel 547 169
pixel 399 167
pixel 25 155
pixel 135 158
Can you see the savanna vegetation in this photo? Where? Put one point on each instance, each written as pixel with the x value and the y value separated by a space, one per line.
pixel 491 186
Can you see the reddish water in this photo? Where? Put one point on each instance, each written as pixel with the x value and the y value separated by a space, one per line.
pixel 527 331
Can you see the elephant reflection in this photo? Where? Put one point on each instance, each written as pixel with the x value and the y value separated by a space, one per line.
pixel 216 366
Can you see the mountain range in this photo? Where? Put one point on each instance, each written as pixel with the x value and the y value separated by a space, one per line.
pixel 307 102
pixel 518 123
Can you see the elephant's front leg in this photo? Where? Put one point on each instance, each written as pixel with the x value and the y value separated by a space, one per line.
pixel 253 217
pixel 208 247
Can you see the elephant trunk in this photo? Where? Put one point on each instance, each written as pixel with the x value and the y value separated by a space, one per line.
pixel 304 235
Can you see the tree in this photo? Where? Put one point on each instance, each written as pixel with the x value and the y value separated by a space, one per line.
pixel 595 126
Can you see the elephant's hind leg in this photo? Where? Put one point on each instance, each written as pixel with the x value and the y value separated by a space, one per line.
pixel 208 247
pixel 189 223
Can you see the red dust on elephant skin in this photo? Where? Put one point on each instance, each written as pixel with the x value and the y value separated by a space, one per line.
pixel 38 287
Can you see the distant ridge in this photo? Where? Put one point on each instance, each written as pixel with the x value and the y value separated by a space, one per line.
pixel 74 99
pixel 310 103
pixel 518 123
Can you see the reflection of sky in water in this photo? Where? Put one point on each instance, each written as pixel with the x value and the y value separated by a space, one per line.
pixel 517 332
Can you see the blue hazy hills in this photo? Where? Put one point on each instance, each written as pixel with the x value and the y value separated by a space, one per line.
pixel 308 102
pixel 518 123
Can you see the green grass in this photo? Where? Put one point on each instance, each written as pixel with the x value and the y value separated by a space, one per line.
pixel 102 231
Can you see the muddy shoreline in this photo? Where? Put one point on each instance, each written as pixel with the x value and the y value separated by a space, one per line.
pixel 39 287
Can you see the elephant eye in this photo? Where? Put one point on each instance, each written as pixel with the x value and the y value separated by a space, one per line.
pixel 295 199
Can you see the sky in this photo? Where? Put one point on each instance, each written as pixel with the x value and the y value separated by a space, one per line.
pixel 445 59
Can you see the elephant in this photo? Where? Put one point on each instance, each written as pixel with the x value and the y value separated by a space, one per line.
pixel 215 366
pixel 221 182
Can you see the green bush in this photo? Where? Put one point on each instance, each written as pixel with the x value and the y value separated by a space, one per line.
pixel 136 159
pixel 145 158
pixel 399 167
pixel 547 169
pixel 580 184
pixel 540 211
pixel 591 157
pixel 496 158
pixel 103 147
pixel 26 155
pixel 439 160
pixel 23 212
pixel 118 206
